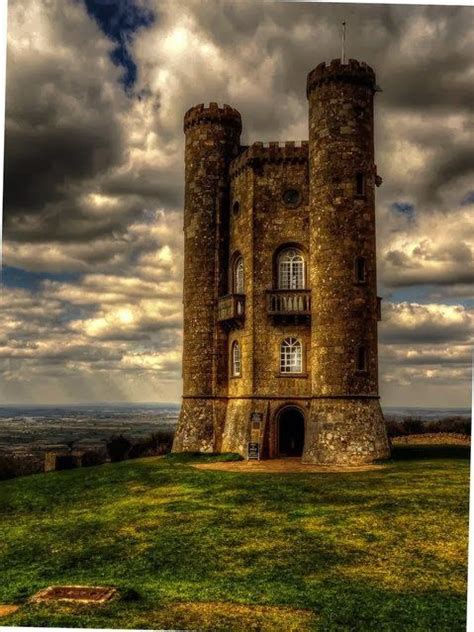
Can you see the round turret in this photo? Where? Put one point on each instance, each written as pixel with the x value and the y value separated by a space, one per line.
pixel 355 72
pixel 212 140
pixel 343 261
pixel 225 115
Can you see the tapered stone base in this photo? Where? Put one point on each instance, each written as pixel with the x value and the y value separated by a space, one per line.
pixel 236 429
pixel 195 429
pixel 345 432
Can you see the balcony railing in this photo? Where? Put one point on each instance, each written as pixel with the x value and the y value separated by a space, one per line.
pixel 289 302
pixel 231 308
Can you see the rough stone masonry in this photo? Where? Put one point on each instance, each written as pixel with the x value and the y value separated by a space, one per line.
pixel 280 297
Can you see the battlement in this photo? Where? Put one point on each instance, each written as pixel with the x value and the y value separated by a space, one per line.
pixel 225 115
pixel 288 152
pixel 355 72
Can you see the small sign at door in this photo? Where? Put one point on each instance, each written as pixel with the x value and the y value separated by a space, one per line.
pixel 256 419
pixel 253 451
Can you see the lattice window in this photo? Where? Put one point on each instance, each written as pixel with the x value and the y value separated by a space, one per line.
pixel 291 270
pixel 236 360
pixel 239 276
pixel 291 356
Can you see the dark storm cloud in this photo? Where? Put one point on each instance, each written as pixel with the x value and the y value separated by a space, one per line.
pixel 423 57
pixel 64 134
pixel 405 273
pixel 150 184
pixel 424 334
pixel 378 34
pixel 94 173
pixel 42 166
pixel 411 323
pixel 62 127
pixel 460 360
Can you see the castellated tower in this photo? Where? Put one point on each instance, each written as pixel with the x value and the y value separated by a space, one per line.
pixel 280 299
pixel 212 140
pixel 346 422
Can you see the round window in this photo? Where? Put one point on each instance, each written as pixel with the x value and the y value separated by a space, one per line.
pixel 236 209
pixel 291 197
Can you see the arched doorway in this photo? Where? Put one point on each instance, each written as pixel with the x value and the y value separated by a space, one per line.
pixel 290 432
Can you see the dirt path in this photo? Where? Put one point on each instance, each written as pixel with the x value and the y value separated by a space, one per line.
pixel 282 466
pixel 5 610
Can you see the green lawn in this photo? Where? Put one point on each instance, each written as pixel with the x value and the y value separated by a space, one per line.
pixel 378 550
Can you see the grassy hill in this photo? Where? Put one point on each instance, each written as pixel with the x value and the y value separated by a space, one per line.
pixel 378 550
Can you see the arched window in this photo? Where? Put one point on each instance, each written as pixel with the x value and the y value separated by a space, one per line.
pixel 359 269
pixel 291 272
pixel 361 358
pixel 236 360
pixel 291 356
pixel 239 275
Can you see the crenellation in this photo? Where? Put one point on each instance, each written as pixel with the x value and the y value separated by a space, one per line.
pixel 212 113
pixel 273 152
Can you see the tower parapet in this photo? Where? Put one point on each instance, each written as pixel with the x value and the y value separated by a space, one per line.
pixel 254 156
pixel 355 72
pixel 225 115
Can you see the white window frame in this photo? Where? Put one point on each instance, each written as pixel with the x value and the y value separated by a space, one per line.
pixel 291 356
pixel 236 359
pixel 291 270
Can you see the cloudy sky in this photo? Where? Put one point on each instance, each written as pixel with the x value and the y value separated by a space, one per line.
pixel 92 227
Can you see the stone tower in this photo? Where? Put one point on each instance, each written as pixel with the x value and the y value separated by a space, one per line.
pixel 280 299
pixel 212 140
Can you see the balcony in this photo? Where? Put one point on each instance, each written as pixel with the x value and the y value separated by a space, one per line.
pixel 231 309
pixel 289 302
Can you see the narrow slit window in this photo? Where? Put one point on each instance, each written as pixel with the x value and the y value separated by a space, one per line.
pixel 360 184
pixel 236 360
pixel 361 359
pixel 360 269
pixel 239 276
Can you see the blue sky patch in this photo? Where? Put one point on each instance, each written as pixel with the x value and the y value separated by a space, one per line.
pixel 17 277
pixel 423 294
pixel 404 208
pixel 468 199
pixel 119 20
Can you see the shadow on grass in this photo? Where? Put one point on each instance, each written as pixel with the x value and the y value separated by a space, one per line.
pixel 426 451
pixel 202 457
pixel 348 548
pixel 334 607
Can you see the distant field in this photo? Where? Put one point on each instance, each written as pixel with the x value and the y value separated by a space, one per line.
pixel 203 550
